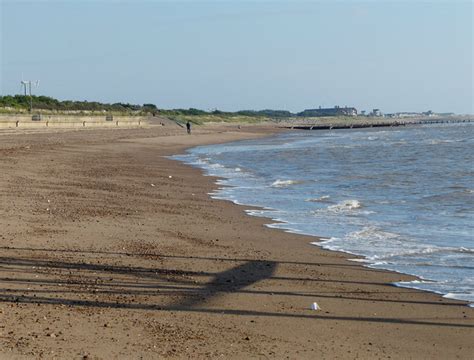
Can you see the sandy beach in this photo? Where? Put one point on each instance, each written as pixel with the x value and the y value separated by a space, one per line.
pixel 110 250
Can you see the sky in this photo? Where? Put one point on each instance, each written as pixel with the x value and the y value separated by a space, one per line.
pixel 234 55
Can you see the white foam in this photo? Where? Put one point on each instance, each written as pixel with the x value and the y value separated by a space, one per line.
pixel 215 166
pixel 465 250
pixel 461 296
pixel 422 251
pixel 345 205
pixel 439 141
pixel 372 232
pixel 285 183
pixel 323 198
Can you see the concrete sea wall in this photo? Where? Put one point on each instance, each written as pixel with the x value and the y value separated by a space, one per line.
pixel 69 121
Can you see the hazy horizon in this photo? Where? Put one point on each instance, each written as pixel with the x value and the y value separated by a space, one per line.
pixel 239 55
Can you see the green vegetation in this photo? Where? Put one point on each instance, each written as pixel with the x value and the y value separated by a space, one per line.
pixel 48 105
pixel 198 117
pixel 210 117
pixel 21 103
pixel 225 114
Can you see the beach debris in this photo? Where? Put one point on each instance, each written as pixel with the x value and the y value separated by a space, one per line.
pixel 170 177
pixel 315 306
pixel 152 184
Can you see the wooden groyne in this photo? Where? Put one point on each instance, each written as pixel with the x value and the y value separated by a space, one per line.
pixel 377 124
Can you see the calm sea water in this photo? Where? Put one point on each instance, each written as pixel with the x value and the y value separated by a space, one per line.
pixel 401 197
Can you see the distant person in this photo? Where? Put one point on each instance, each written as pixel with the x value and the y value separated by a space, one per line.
pixel 188 127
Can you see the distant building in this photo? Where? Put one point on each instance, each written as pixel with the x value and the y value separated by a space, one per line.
pixel 376 112
pixel 407 114
pixel 412 114
pixel 335 111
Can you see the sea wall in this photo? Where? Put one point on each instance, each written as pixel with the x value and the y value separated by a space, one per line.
pixel 69 121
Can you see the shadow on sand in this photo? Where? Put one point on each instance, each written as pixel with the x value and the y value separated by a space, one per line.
pixel 37 279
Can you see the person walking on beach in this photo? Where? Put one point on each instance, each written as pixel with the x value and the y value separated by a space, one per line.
pixel 188 127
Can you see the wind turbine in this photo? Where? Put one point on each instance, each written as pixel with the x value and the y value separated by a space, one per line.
pixel 27 84
pixel 24 83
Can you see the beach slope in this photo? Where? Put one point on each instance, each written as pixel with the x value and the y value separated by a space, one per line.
pixel 111 250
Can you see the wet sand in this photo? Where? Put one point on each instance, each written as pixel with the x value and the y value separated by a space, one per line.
pixel 110 250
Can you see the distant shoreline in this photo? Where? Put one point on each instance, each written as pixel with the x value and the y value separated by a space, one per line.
pixel 78 121
pixel 376 123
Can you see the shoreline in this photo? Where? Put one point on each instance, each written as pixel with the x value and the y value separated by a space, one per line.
pixel 211 279
pixel 318 240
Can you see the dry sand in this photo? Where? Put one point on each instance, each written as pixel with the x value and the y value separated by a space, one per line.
pixel 110 250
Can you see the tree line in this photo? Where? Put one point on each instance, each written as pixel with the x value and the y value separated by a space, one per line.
pixel 22 103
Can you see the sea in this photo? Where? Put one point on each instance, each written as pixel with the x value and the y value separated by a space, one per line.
pixel 402 198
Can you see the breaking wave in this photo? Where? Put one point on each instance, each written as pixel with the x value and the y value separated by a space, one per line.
pixel 324 198
pixel 285 183
pixel 345 205
pixel 422 251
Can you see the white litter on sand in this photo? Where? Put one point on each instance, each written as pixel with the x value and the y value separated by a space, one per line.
pixel 315 306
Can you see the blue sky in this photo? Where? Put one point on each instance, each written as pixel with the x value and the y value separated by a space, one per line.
pixel 230 55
